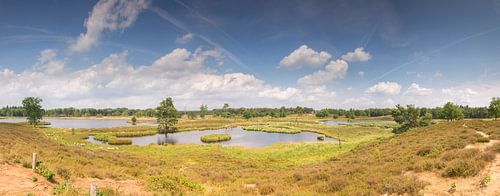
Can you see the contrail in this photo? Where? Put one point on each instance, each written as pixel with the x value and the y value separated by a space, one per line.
pixel 446 46
pixel 166 16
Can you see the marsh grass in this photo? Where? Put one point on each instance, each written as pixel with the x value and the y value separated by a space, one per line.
pixel 212 138
pixel 370 162
pixel 120 142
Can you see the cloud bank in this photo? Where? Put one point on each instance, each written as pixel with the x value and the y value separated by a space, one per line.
pixel 107 15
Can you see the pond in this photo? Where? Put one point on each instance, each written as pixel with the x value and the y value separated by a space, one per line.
pixel 337 122
pixel 78 123
pixel 239 137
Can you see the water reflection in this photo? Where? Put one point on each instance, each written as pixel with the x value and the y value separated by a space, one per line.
pixel 239 137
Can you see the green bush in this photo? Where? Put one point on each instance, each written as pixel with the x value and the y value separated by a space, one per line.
pixel 65 188
pixel 44 171
pixel 210 138
pixel 175 184
pixel 104 137
pixel 320 137
pixel 34 178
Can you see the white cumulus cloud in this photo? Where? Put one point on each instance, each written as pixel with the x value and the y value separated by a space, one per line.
pixel 304 57
pixel 49 63
pixel 415 89
pixel 459 95
pixel 108 15
pixel 359 55
pixel 334 70
pixel 181 74
pixel 385 88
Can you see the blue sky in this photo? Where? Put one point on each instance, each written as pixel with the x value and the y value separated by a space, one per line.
pixel 343 54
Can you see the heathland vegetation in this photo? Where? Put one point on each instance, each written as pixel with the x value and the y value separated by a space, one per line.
pixel 374 156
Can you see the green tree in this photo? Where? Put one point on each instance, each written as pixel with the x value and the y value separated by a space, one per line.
pixel 299 110
pixel 33 109
pixel 409 117
pixel 225 107
pixel 247 114
pixel 134 120
pixel 203 110
pixel 452 112
pixel 166 116
pixel 283 112
pixel 350 115
pixel 322 113
pixel 494 108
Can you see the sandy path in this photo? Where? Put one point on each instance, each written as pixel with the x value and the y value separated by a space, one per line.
pixel 438 185
pixel 16 180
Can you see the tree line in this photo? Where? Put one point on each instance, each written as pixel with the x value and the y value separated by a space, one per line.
pixel 227 111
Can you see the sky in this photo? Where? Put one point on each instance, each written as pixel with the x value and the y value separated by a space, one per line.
pixel 319 54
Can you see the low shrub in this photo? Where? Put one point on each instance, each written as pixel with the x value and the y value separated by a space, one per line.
pixel 27 164
pixel 120 142
pixel 496 147
pixel 210 138
pixel 175 184
pixel 104 137
pixel 34 178
pixel 64 173
pixel 463 168
pixel 65 188
pixel 266 189
pixel 44 171
pixel 483 140
pixel 320 137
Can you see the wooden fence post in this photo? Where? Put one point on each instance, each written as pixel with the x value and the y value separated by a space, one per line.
pixel 340 143
pixel 33 163
pixel 93 189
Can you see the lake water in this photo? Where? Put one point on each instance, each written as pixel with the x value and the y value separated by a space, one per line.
pixel 78 123
pixel 239 137
pixel 337 123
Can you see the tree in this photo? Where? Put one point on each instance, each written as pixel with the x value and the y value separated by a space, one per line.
pixel 33 109
pixel 452 112
pixel 322 113
pixel 247 114
pixel 409 117
pixel 166 116
pixel 350 115
pixel 283 112
pixel 225 107
pixel 203 110
pixel 299 110
pixel 134 120
pixel 494 108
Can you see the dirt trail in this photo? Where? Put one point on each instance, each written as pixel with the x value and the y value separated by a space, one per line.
pixel 17 180
pixel 438 185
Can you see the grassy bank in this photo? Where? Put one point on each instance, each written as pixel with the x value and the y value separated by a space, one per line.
pixel 370 161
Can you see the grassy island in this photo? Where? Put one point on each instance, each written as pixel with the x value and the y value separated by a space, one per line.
pixel 211 138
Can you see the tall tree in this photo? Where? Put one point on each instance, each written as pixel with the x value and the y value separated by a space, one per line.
pixel 494 108
pixel 283 112
pixel 166 115
pixel 203 110
pixel 33 109
pixel 452 112
pixel 409 117
pixel 226 106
